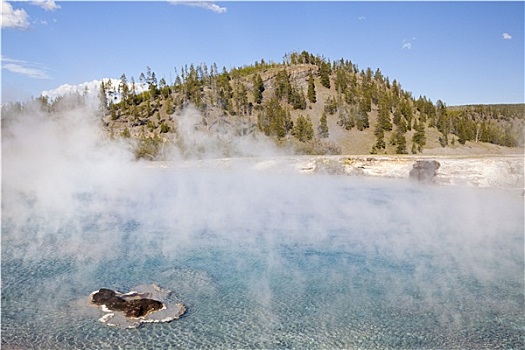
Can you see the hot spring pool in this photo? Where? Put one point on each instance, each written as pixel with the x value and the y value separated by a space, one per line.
pixel 267 261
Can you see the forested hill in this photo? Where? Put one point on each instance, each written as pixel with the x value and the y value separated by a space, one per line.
pixel 306 102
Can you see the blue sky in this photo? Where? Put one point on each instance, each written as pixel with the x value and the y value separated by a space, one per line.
pixel 459 52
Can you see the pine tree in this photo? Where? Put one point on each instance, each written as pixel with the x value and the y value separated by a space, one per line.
pixel 297 98
pixel 274 120
pixel 362 121
pixel 153 87
pixel 133 90
pixel 443 122
pixel 240 97
pixel 378 76
pixel 102 98
pixel 224 90
pixel 330 106
pixel 397 116
pixel 126 133
pixel 365 102
pixel 419 137
pixel 311 89
pixel 324 73
pixel 347 116
pixel 401 142
pixel 164 88
pixel 383 120
pixel 124 91
pixel 352 93
pixel 258 89
pixel 169 106
pixel 309 129
pixel 406 111
pixel 303 129
pixel 341 81
pixel 323 127
pixel 192 86
pixel 383 117
pixel 380 139
pixel 282 88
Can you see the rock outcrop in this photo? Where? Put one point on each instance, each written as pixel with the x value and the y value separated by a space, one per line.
pixel 147 303
pixel 138 307
pixel 424 170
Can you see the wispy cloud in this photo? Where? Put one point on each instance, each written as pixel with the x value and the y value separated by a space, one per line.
pixel 31 70
pixel 48 5
pixel 506 36
pixel 361 18
pixel 407 44
pixel 207 5
pixel 11 18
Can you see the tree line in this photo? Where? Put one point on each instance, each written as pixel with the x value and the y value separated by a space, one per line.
pixel 284 100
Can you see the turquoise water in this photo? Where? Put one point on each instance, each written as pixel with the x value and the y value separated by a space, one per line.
pixel 309 262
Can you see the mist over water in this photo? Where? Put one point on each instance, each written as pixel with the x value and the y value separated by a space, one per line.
pixel 262 258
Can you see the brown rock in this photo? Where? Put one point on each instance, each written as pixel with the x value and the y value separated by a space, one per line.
pixel 424 170
pixel 141 307
pixel 131 308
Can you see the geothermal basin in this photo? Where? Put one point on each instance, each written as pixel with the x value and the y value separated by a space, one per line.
pixel 266 254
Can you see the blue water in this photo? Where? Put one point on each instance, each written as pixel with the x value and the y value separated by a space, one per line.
pixel 309 262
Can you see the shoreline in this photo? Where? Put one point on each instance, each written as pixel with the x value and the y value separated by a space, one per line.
pixel 505 171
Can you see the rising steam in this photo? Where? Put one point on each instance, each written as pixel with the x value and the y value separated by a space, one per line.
pixel 71 193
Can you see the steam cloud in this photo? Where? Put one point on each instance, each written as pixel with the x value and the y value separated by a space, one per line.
pixel 70 193
pixel 220 139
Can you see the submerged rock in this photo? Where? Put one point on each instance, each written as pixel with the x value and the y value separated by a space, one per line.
pixel 146 303
pixel 424 170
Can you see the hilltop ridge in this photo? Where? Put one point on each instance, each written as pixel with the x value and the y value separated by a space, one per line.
pixel 306 103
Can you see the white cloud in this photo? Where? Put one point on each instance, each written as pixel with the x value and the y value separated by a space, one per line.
pixel 48 5
pixel 406 44
pixel 207 5
pixel 361 18
pixel 506 36
pixel 92 88
pixel 12 18
pixel 19 18
pixel 30 70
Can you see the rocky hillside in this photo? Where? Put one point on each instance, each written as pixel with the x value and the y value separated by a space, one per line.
pixel 306 103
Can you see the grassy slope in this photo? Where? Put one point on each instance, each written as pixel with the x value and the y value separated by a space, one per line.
pixel 350 142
